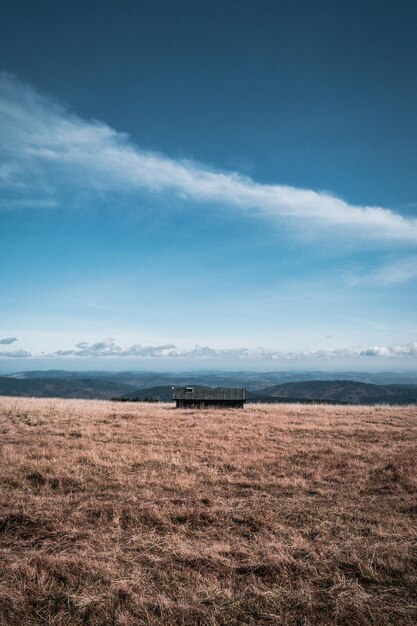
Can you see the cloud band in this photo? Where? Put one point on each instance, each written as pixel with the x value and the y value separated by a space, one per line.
pixel 41 138
pixel 109 349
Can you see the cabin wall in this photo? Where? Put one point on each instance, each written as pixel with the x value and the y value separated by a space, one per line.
pixel 202 404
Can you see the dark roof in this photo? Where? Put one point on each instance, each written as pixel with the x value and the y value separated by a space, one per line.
pixel 209 393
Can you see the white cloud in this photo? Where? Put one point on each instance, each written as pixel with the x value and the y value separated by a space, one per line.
pixel 399 350
pixel 107 347
pixel 46 151
pixel 7 340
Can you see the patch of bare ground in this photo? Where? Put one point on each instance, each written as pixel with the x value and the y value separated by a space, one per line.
pixel 129 514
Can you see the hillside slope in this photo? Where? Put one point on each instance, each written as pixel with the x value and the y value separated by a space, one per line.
pixel 345 391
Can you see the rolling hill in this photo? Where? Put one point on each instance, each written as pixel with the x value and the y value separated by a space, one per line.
pixel 345 391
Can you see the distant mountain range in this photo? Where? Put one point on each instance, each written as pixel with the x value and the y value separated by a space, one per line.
pixel 345 387
pixel 251 379
pixel 49 387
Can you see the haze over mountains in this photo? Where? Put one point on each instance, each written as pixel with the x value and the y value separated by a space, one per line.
pixel 344 387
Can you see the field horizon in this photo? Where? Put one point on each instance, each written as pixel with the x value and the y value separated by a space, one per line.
pixel 126 514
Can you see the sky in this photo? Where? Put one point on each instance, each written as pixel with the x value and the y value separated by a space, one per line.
pixel 208 184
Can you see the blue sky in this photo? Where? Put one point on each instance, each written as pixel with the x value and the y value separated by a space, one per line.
pixel 199 184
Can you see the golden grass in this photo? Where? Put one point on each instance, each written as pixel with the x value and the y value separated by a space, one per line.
pixel 128 514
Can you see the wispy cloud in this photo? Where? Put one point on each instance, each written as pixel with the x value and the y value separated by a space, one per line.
pixel 7 340
pixel 108 348
pixel 395 272
pixel 46 150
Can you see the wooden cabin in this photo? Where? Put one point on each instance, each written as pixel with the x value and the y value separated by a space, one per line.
pixel 202 397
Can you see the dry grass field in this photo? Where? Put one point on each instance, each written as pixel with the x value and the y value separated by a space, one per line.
pixel 129 514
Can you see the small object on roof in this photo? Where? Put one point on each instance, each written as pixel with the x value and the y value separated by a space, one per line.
pixel 200 397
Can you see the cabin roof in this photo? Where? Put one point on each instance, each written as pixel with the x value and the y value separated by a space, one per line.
pixel 209 393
